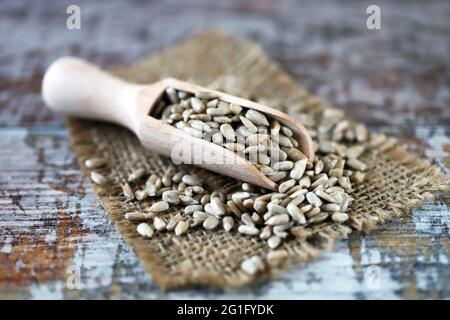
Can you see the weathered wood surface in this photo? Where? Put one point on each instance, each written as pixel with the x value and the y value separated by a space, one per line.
pixel 396 79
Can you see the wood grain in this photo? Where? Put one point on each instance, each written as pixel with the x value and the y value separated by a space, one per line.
pixel 395 79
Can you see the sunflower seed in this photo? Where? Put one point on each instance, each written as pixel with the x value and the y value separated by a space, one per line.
pixel 298 169
pixel 278 219
pixel 145 230
pixel 193 132
pixel 98 178
pixel 252 265
pixel 283 165
pixel 141 194
pixel 136 174
pixel 217 207
pixel 312 198
pixel 274 241
pixel 257 117
pixel 276 209
pixel 151 190
pixel 235 108
pixel 228 223
pixel 127 192
pixel 192 208
pixel 356 164
pixel 202 126
pixel 296 214
pixel 330 207
pixel 212 103
pixel 248 230
pixel 320 217
pixel 248 124
pixel 295 155
pixel 171 196
pixel 159 224
pixel 285 186
pixel 234 208
pixel 201 215
pixel 181 228
pixel 228 132
pixel 159 206
pixel 136 216
pixel 94 163
pixel 207 95
pixel 177 177
pixel 172 95
pixel 339 217
pixel 247 219
pixel 173 222
pixel 191 180
pixel 266 232
pixel 325 196
pixel 211 223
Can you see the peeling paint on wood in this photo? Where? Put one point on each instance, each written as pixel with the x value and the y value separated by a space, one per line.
pixel 395 80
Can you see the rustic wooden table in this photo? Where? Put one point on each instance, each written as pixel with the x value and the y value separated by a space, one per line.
pixel 395 79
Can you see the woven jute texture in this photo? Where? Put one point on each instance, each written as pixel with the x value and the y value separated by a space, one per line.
pixel 397 181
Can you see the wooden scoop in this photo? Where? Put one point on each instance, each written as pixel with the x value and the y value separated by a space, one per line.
pixel 77 88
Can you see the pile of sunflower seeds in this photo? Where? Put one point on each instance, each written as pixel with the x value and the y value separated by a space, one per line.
pixel 309 193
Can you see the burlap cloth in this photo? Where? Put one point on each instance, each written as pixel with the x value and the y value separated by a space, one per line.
pixel 397 180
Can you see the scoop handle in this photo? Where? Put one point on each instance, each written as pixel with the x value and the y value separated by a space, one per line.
pixel 77 88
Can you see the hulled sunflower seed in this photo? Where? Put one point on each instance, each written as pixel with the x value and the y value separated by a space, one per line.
pixel 283 165
pixel 253 265
pixel 257 117
pixel 285 186
pixel 145 230
pixel 171 196
pixel 312 198
pixel 181 228
pixel 159 224
pixel 217 207
pixel 228 132
pixel 298 169
pixel 278 219
pixel 159 206
pixel 339 217
pixel 296 214
pixel 266 232
pixel 94 163
pixel 172 95
pixel 173 222
pixel 136 216
pixel 98 178
pixel 211 223
pixel 276 209
pixel 248 124
pixel 127 192
pixel 136 174
pixel 273 242
pixel 325 196
pixel 207 95
pixel 187 200
pixel 191 180
pixel 141 194
pixel 248 230
pixel 228 223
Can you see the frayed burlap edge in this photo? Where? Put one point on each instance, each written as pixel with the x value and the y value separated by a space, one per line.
pixel 397 181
